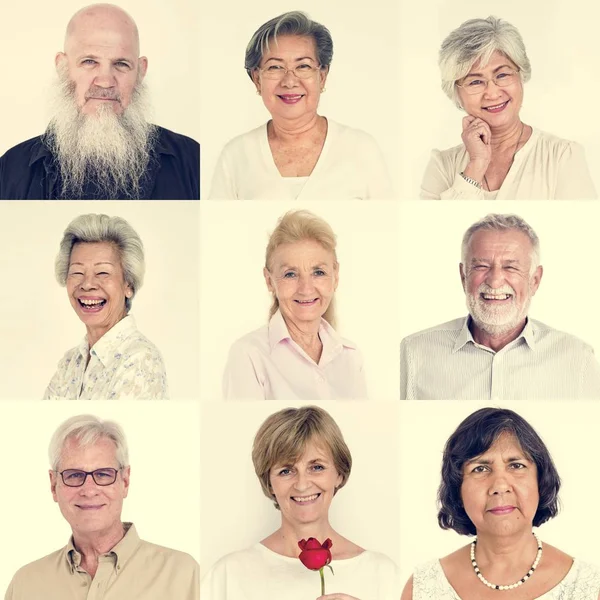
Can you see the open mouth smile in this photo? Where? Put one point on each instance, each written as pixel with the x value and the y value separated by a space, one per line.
pixel 497 107
pixel 306 499
pixel 290 98
pixel 91 305
pixel 495 297
pixel 307 302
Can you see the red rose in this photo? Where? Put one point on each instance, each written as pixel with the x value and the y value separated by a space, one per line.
pixel 314 555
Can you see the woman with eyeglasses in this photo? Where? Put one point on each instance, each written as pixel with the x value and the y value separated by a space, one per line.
pixel 297 154
pixel 484 65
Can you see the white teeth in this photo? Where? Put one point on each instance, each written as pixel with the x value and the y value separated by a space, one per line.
pixel 496 296
pixel 305 498
pixel 493 107
pixel 90 302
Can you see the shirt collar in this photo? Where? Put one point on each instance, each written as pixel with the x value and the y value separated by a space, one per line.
pixel 465 336
pixel 120 554
pixel 105 347
pixel 331 340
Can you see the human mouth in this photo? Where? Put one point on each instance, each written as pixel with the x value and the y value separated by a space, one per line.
pixel 307 302
pixel 495 297
pixel 306 499
pixel 502 510
pixel 497 107
pixel 89 506
pixel 91 305
pixel 291 98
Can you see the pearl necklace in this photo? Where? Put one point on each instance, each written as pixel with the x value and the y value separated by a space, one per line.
pixel 529 573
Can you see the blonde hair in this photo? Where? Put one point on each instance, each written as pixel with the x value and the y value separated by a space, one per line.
pixel 283 438
pixel 296 226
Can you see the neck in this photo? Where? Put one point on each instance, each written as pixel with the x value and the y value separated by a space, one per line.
pixel 289 534
pixel 506 552
pixel 305 334
pixel 95 333
pixel 495 341
pixel 292 129
pixel 507 136
pixel 92 545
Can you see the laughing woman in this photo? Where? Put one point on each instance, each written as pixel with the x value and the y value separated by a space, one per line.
pixel 101 263
pixel 298 154
pixel 484 67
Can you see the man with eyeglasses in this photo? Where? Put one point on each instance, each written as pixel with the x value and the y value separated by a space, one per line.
pixel 105 559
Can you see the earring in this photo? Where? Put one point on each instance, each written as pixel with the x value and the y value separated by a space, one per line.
pixel 258 92
pixel 323 90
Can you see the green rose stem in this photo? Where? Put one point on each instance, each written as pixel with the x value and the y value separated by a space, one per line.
pixel 322 581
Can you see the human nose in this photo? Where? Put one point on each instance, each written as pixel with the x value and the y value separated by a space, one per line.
pixel 105 77
pixel 495 277
pixel 89 485
pixel 88 282
pixel 302 482
pixel 491 90
pixel 500 485
pixel 289 78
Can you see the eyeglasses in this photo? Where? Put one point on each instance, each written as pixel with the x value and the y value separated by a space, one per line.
pixel 476 85
pixel 278 72
pixel 76 478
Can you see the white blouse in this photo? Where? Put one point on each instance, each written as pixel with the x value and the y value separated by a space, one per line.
pixel 582 582
pixel 267 364
pixel 350 166
pixel 261 574
pixel 545 168
pixel 122 365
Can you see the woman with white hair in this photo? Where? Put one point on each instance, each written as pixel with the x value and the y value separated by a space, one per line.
pixel 297 153
pixel 298 354
pixel 484 65
pixel 101 263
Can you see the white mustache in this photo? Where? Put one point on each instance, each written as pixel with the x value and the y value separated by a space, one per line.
pixel 484 288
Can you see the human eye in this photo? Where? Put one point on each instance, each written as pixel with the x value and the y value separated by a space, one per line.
pixel 319 272
pixel 504 74
pixel 103 273
pixel 479 469
pixel 274 68
pixel 517 466
pixel 289 275
pixel 88 61
pixel 318 467
pixel 73 476
pixel 104 473
pixel 474 83
pixel 122 64
pixel 304 67
pixel 480 267
pixel 285 471
pixel 75 273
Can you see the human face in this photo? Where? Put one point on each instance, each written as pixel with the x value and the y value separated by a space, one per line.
pixel 291 97
pixel 500 488
pixel 303 276
pixel 497 106
pixel 101 60
pixel 497 279
pixel 90 509
pixel 96 285
pixel 304 490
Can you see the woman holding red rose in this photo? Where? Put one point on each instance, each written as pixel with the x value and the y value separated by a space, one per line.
pixel 302 461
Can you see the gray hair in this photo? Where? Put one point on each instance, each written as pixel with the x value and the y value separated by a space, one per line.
pixel 498 222
pixel 87 430
pixel 289 23
pixel 478 39
pixel 102 228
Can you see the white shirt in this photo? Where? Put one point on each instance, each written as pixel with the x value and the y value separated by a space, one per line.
pixel 261 574
pixel 350 167
pixel 123 365
pixel 582 582
pixel 268 365
pixel 545 168
pixel 445 362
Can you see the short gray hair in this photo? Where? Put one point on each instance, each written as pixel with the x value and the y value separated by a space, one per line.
pixel 102 228
pixel 478 39
pixel 289 23
pixel 87 430
pixel 499 222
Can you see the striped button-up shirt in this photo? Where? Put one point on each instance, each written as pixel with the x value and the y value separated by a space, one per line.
pixel 445 362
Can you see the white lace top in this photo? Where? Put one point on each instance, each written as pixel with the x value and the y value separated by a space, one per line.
pixel 582 582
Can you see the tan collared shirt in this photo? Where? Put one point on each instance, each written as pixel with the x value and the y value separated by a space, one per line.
pixel 132 570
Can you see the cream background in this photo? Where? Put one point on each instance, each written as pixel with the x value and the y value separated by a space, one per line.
pixel 32 34
pixel 430 255
pixel 235 512
pixel 38 323
pixel 235 299
pixel 164 488
pixel 561 42
pixel 363 88
pixel 571 442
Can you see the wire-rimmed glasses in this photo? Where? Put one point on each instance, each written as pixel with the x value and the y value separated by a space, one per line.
pixel 474 84
pixel 77 477
pixel 278 72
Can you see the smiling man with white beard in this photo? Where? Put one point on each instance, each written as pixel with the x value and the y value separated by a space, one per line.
pixel 497 352
pixel 99 143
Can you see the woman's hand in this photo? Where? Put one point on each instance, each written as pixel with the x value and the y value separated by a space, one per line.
pixel 336 597
pixel 477 138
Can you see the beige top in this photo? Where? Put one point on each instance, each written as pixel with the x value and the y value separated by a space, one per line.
pixel 132 570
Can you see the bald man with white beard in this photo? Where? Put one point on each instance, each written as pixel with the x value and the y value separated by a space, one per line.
pixel 99 143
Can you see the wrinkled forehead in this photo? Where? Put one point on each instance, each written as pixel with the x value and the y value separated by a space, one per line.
pixel 88 451
pixel 492 61
pixel 103 32
pixel 291 451
pixel 95 252
pixel 488 243
pixel 307 251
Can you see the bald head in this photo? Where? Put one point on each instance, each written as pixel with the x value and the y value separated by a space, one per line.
pixel 101 17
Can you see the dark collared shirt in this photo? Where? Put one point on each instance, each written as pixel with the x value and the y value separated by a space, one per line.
pixel 29 171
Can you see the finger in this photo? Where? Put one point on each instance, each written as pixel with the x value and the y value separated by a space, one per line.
pixel 468 120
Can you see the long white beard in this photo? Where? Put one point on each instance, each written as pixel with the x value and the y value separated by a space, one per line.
pixel 497 320
pixel 109 149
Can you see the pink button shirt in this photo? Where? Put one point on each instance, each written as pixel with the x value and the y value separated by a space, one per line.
pixel 268 365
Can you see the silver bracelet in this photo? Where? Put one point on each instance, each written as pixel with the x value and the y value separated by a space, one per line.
pixel 471 181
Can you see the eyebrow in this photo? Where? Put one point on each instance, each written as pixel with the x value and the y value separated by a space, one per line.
pixel 485 461
pixel 316 266
pixel 296 59
pixel 96 57
pixel 494 71
pixel 487 260
pixel 104 262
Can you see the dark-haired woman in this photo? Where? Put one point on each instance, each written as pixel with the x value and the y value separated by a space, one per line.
pixel 498 482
